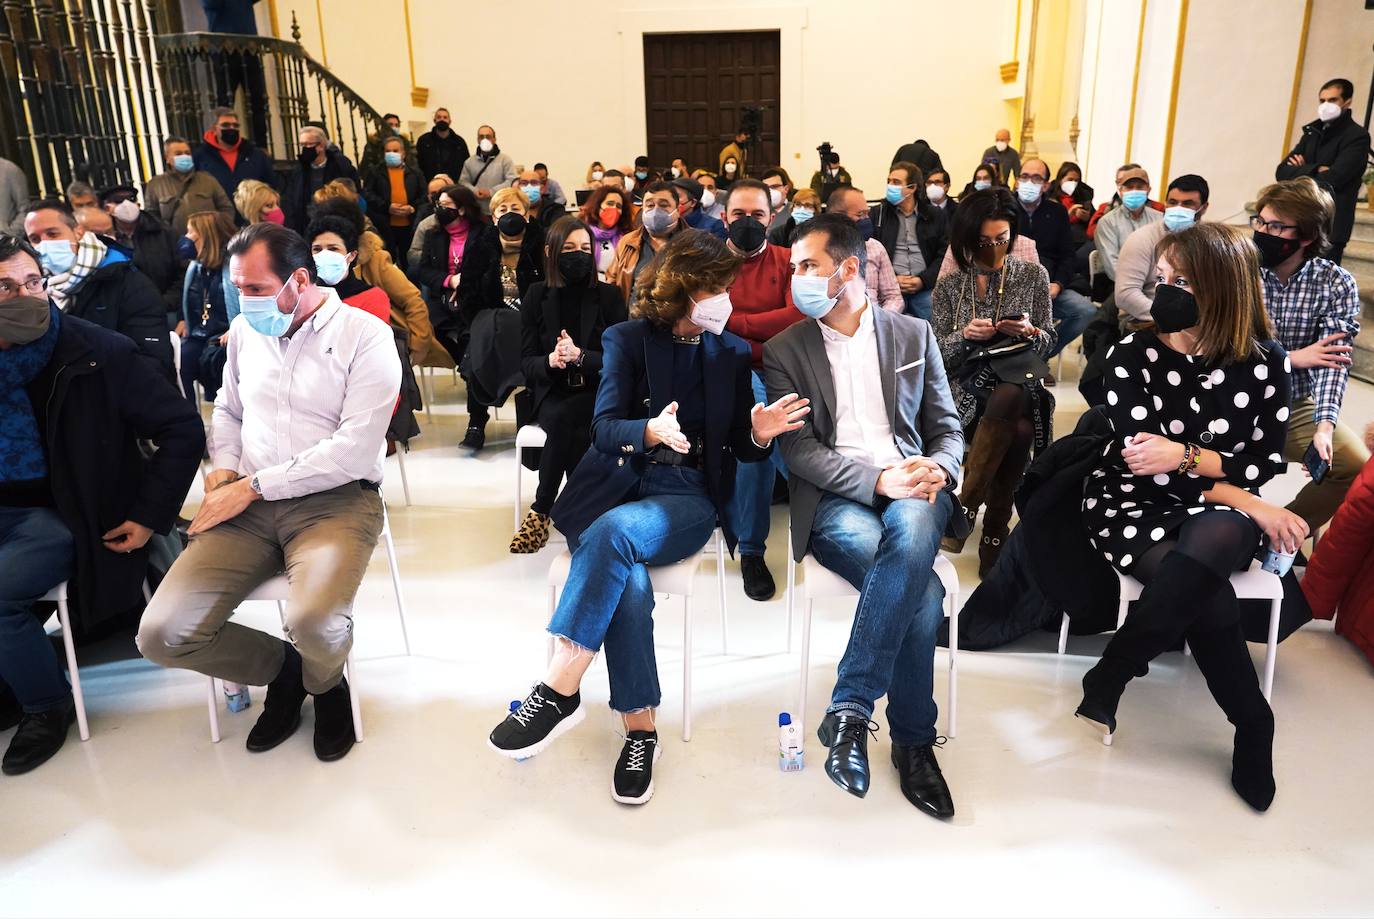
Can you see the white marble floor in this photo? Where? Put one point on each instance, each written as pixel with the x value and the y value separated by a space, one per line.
pixel 149 818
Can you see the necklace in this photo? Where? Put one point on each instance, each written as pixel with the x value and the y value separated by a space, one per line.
pixel 686 339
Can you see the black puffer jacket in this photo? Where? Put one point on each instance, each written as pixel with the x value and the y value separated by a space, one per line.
pixel 480 286
pixel 119 297
pixel 155 254
pixel 296 190
pixel 932 235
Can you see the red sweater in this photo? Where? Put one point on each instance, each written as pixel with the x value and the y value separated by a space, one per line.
pixel 762 299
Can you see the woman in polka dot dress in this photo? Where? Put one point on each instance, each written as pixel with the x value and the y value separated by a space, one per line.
pixel 1199 412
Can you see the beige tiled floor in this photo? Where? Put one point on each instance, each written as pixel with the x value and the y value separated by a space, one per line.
pixel 149 818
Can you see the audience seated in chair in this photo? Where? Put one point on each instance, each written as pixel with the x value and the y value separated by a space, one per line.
pixel 70 457
pixel 297 445
pixel 871 481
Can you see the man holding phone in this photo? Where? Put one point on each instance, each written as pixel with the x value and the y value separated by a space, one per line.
pixel 1315 307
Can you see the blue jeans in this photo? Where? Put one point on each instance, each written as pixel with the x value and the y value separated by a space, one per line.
pixel 918 304
pixel 609 599
pixel 750 509
pixel 887 553
pixel 35 556
pixel 1074 311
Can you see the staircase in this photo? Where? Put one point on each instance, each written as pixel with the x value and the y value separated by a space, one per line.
pixel 1359 261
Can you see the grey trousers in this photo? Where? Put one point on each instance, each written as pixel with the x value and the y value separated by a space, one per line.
pixel 322 542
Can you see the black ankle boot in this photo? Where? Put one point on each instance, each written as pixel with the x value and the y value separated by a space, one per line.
pixel 334 735
pixel 1102 689
pixel 1224 660
pixel 38 739
pixel 281 710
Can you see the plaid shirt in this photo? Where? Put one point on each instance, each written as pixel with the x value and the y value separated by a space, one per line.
pixel 1320 299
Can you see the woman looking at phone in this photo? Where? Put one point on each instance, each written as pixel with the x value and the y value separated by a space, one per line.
pixel 1199 411
pixel 992 318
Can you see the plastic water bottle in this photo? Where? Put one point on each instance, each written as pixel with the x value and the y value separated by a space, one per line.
pixel 790 752
pixel 236 696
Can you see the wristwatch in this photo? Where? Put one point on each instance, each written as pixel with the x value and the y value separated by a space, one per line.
pixel 255 486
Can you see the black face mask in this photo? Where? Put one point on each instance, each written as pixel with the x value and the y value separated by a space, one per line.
pixel 307 155
pixel 575 267
pixel 511 224
pixel 441 127
pixel 1174 309
pixel 1274 250
pixel 747 233
pixel 229 136
pixel 445 215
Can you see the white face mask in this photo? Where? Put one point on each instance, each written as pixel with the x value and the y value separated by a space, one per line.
pixel 126 211
pixel 629 183
pixel 485 145
pixel 1001 146
pixel 712 313
pixel 777 198
pixel 936 193
pixel 598 175
pixel 708 198
pixel 677 173
pixel 1068 186
pixel 1328 111
pixel 730 168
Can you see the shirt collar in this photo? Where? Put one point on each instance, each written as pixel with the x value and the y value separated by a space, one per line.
pixel 328 309
pixel 863 331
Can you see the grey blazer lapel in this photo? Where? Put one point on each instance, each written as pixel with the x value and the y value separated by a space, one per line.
pixel 887 361
pixel 814 346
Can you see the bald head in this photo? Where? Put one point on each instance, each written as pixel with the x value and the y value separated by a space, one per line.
pixel 1036 166
pixel 1003 136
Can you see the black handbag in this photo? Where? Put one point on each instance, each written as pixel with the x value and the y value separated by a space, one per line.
pixel 1012 360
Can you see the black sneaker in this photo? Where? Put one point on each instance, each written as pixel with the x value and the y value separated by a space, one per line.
pixel 758 580
pixel 476 437
pixel 538 722
pixel 633 779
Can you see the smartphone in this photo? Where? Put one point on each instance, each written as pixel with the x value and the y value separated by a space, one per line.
pixel 1010 317
pixel 1316 466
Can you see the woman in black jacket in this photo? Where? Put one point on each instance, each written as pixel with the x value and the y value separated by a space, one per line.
pixel 499 264
pixel 562 320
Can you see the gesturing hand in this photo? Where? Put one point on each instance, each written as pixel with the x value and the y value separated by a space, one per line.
pixel 782 416
pixel 1152 454
pixel 664 429
pixel 913 477
pixel 1330 351
pixel 980 330
pixel 222 504
pixel 127 537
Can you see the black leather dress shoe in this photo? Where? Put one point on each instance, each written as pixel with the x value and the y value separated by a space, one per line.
pixel 39 737
pixel 758 580
pixel 334 723
pixel 846 734
pixel 281 710
pixel 922 782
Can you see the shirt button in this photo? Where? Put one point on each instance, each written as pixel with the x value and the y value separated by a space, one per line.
pixel 1206 437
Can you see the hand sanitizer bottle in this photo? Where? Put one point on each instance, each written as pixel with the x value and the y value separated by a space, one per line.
pixel 790 753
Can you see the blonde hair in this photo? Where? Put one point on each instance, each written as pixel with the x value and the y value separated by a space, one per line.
pixel 805 197
pixel 252 197
pixel 1223 271
pixel 592 168
pixel 1306 204
pixel 337 188
pixel 510 195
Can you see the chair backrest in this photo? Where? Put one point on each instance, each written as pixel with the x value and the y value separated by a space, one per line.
pixel 1094 264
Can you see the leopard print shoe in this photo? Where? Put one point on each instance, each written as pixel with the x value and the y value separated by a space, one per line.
pixel 532 536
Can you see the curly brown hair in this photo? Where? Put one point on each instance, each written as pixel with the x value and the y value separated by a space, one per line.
pixel 692 260
pixel 590 212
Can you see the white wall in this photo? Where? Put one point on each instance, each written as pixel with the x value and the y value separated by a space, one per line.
pixel 572 90
pixel 1109 48
pixel 1339 38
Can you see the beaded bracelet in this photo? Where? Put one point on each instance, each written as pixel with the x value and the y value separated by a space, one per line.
pixel 1192 455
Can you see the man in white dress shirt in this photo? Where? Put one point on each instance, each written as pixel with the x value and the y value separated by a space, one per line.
pixel 297 442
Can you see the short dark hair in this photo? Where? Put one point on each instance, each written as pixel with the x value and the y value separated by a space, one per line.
pixel 780 173
pixel 10 246
pixel 744 185
pixel 341 227
pixel 994 203
pixel 288 251
pixel 339 209
pixel 539 166
pixel 1345 86
pixel 557 235
pixel 612 172
pixel 842 238
pixel 391 115
pixel 53 204
pixel 659 185
pixel 914 176
pixel 465 199
pixel 1190 182
pixel 930 176
pixel 642 161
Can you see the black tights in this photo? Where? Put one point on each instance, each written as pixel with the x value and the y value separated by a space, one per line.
pixel 566 418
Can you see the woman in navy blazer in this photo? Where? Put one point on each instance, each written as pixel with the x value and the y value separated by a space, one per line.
pixel 674 412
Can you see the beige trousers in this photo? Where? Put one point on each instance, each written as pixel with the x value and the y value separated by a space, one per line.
pixel 1317 503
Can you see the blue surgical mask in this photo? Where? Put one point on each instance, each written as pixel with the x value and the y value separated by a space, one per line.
pixel 183 162
pixel 802 214
pixel 641 174
pixel 865 225
pixel 893 195
pixel 393 159
pixel 331 266
pixel 810 295
pixel 982 185
pixel 531 193
pixel 1134 199
pixel 57 255
pixel 262 315
pixel 1179 218
pixel 1028 192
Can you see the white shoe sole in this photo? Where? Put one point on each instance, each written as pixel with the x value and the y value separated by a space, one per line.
pixel 1097 728
pixel 567 724
pixel 648 792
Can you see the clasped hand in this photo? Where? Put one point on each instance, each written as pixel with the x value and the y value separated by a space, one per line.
pixel 913 477
pixel 1152 454
pixel 564 351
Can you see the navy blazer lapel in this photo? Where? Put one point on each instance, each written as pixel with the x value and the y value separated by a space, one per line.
pixel 887 361
pixel 718 364
pixel 658 368
pixel 813 344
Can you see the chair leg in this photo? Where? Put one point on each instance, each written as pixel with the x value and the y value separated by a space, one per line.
pixel 401 461
pixel 427 384
pixel 213 696
pixel 1063 633
pixel 1271 653
pixel 396 586
pixel 354 698
pixel 518 493
pixel 805 670
pixel 791 592
pixel 686 669
pixel 953 601
pixel 720 583
pixel 78 697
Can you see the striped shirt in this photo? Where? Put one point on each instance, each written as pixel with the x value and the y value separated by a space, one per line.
pixel 1320 299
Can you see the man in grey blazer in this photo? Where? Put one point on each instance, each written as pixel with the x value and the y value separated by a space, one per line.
pixel 871 482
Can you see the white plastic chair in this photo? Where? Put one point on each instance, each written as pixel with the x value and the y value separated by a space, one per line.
pixel 1252 584
pixel 401 451
pixel 58 595
pixel 176 360
pixel 532 436
pixel 678 579
pixel 820 583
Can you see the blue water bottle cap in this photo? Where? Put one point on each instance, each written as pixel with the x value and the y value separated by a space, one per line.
pixel 514 704
pixel 784 719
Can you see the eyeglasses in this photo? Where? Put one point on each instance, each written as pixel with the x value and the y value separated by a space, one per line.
pixel 1272 227
pixel 985 243
pixel 1031 178
pixel 31 286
